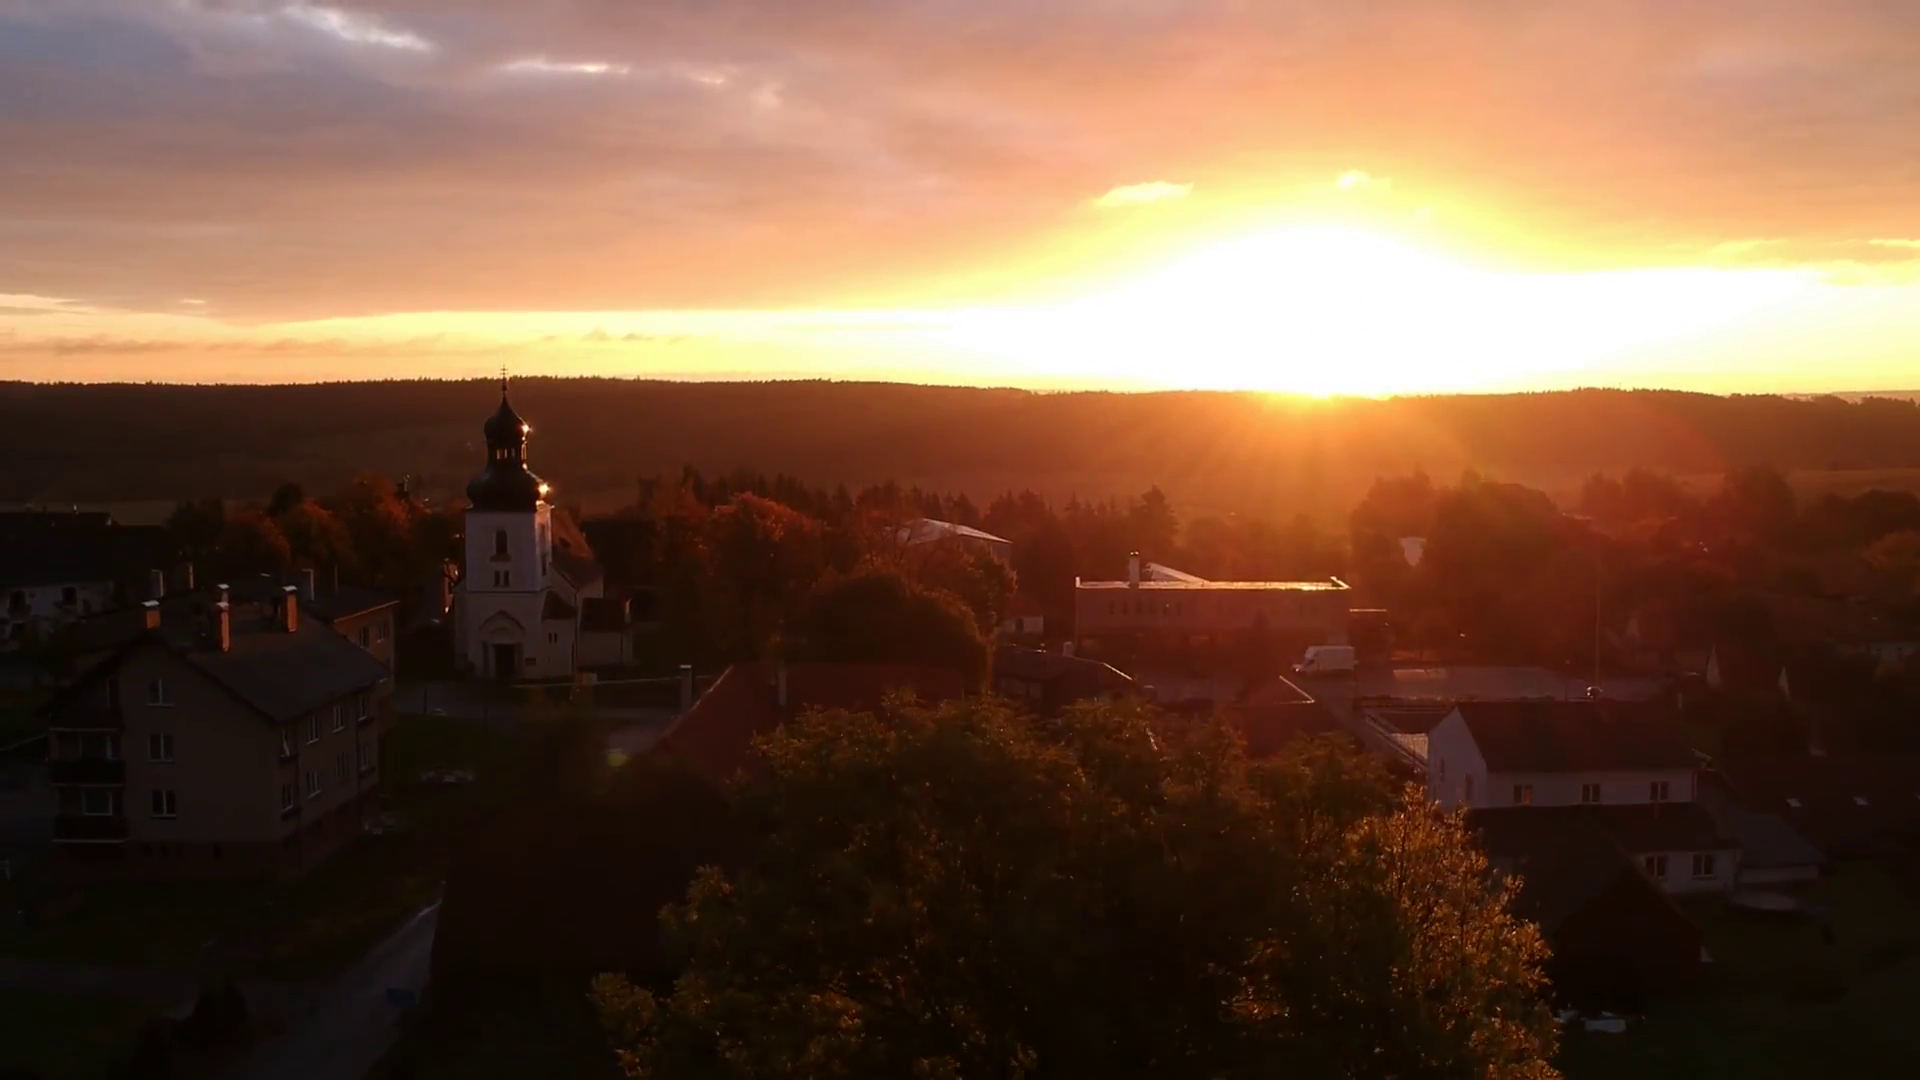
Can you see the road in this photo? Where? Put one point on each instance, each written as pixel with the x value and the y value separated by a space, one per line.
pixel 351 1023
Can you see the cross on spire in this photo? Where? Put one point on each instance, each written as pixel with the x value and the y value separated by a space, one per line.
pixel 503 381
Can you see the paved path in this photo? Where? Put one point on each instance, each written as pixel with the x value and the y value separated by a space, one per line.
pixel 350 1023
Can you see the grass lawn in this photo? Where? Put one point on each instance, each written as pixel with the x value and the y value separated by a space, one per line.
pixel 1781 1002
pixel 57 1037
pixel 303 929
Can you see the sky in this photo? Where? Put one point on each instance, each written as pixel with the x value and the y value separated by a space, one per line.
pixel 1308 196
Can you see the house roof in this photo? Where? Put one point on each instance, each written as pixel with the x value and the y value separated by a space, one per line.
pixel 1635 828
pixel 556 607
pixel 1075 677
pixel 927 530
pixel 66 549
pixel 1269 729
pixel 715 737
pixel 1766 840
pixel 603 615
pixel 345 602
pixel 572 554
pixel 1279 691
pixel 1574 736
pixel 278 674
pixel 1841 803
pixel 1561 875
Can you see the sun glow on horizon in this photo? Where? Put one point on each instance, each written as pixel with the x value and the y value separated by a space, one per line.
pixel 1332 310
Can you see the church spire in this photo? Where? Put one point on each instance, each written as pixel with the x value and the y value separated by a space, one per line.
pixel 505 483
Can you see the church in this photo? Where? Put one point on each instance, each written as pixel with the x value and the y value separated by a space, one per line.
pixel 530 603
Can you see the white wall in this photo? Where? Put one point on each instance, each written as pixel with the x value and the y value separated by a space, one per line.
pixel 1563 789
pixel 1452 758
pixel 1680 879
pixel 43 601
pixel 525 560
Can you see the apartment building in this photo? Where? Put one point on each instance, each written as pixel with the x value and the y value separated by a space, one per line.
pixel 217 738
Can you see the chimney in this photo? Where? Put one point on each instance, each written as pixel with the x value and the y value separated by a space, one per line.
pixel 290 608
pixel 156 584
pixel 780 685
pixel 189 572
pixel 1133 569
pixel 686 687
pixel 150 613
pixel 223 625
pixel 1066 648
pixel 307 586
pixel 221 595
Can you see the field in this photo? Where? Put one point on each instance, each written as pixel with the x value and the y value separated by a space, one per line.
pixel 1781 1000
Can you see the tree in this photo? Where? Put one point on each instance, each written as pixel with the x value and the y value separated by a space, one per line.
pixel 965 891
pixel 315 537
pixel 982 582
pixel 250 543
pixel 877 616
pixel 761 558
pixel 196 526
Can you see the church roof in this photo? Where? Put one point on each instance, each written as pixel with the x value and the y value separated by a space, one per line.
pixel 506 484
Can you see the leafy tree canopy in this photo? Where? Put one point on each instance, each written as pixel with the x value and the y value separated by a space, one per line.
pixel 966 891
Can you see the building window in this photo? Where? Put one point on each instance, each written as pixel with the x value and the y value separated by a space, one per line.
pixel 164 804
pixel 1589 793
pixel 1658 791
pixel 286 797
pixel 313 784
pixel 99 802
pixel 1656 867
pixel 159 748
pixel 313 728
pixel 1703 865
pixel 500 542
pixel 69 596
pixel 366 637
pixel 340 767
pixel 1523 794
pixel 286 742
pixel 340 717
pixel 361 711
pixel 553 637
pixel 157 692
pixel 384 628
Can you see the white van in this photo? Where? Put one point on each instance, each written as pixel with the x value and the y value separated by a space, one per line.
pixel 1326 660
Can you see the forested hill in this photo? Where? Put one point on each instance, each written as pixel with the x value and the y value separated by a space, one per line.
pixel 593 437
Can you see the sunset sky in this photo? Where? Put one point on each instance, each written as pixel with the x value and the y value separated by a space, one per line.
pixel 1311 196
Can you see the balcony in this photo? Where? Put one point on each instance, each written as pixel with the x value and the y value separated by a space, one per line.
pixel 87 772
pixel 89 829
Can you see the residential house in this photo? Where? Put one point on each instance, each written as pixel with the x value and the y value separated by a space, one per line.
pixel 1048 682
pixel 1024 620
pixel 714 738
pixel 1846 805
pixel 929 531
pixel 60 566
pixel 1276 715
pixel 217 739
pixel 1179 614
pixel 1622 769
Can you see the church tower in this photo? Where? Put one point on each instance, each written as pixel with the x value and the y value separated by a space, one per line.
pixel 509 529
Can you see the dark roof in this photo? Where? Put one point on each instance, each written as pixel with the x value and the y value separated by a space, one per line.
pixel 1075 678
pixel 1842 803
pixel 506 483
pixel 603 615
pixel 1575 736
pixel 1269 729
pixel 582 570
pixel 281 675
pixel 715 737
pixel 556 607
pixel 59 548
pixel 346 602
pixel 286 675
pixel 1766 840
pixel 1561 875
pixel 1278 691
pixel 1635 828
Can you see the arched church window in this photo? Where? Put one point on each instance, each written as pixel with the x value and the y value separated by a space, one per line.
pixel 499 541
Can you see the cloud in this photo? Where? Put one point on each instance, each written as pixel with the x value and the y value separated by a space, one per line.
pixel 302 159
pixel 356 28
pixel 1905 245
pixel 1139 194
pixel 1354 179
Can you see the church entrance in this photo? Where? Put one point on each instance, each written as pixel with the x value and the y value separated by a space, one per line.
pixel 506 661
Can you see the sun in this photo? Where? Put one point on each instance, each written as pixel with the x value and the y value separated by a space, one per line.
pixel 1323 310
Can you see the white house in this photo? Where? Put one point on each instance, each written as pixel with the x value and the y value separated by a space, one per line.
pixel 528 573
pixel 1530 771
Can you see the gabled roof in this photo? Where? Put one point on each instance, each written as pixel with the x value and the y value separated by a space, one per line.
pixel 1842 803
pixel 555 607
pixel 345 602
pixel 1076 677
pixel 1566 855
pixel 1574 736
pixel 928 530
pixel 715 737
pixel 603 615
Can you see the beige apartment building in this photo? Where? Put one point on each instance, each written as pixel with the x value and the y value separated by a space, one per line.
pixel 217 738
